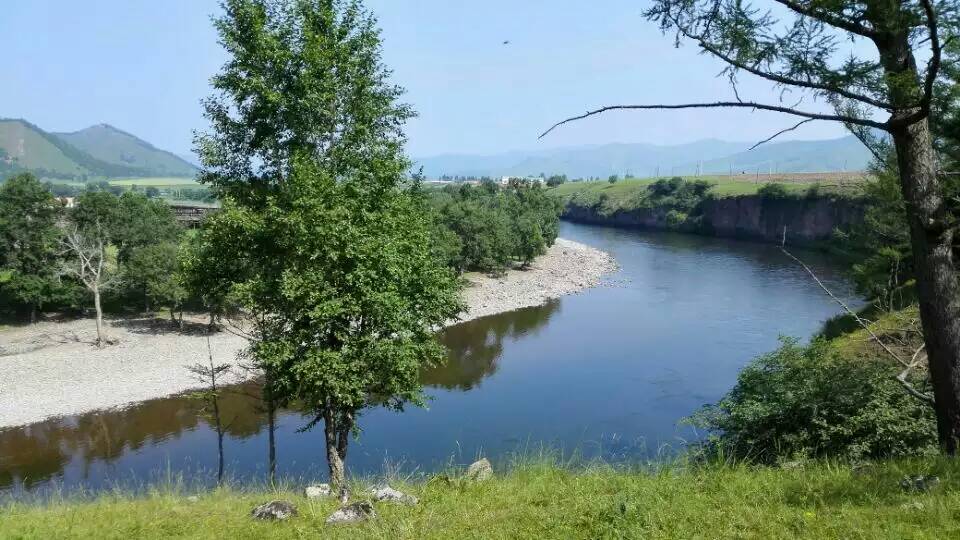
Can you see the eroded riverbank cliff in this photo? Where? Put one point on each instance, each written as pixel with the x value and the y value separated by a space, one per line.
pixel 751 217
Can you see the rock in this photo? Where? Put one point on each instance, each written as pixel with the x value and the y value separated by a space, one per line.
pixel 274 510
pixel 353 513
pixel 193 499
pixel 387 493
pixel 788 465
pixel 920 483
pixel 317 492
pixel 480 471
pixel 913 505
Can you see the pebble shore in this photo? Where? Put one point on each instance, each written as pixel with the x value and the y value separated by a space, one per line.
pixel 51 369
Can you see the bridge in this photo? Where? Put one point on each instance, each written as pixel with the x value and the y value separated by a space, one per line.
pixel 192 213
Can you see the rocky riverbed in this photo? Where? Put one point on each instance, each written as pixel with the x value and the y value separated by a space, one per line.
pixel 52 369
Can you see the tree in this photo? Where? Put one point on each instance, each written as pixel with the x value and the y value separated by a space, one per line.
pixel 802 51
pixel 306 153
pixel 208 374
pixel 141 222
pixel 155 270
pixel 613 179
pixel 28 241
pixel 85 241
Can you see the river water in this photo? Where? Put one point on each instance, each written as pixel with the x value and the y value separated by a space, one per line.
pixel 606 373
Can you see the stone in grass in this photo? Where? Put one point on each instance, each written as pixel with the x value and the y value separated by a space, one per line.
pixel 317 492
pixel 353 513
pixel 274 510
pixel 920 483
pixel 388 494
pixel 480 471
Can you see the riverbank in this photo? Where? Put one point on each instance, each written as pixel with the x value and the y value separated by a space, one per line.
pixel 806 213
pixel 51 368
pixel 543 500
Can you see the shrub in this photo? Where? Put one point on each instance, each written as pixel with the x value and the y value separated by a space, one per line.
pixel 613 179
pixel 774 191
pixel 809 401
pixel 675 219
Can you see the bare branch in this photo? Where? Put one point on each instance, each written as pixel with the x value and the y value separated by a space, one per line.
pixel 902 377
pixel 722 104
pixel 781 132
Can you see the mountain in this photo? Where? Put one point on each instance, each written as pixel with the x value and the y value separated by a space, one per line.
pixel 111 145
pixel 712 156
pixel 98 151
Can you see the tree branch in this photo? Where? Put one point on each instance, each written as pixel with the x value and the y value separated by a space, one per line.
pixel 780 79
pixel 933 66
pixel 902 377
pixel 839 22
pixel 781 132
pixel 723 104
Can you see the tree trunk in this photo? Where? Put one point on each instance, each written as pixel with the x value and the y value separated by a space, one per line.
pixel 272 442
pixel 33 313
pixel 337 428
pixel 931 238
pixel 99 309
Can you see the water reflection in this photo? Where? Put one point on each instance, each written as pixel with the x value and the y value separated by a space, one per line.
pixel 476 346
pixel 611 369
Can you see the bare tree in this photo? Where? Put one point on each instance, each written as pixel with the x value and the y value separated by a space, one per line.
pixel 209 374
pixel 799 46
pixel 86 251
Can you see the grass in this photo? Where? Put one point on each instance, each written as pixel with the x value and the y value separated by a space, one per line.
pixel 543 500
pixel 626 194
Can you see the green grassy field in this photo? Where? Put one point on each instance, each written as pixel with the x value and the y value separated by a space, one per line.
pixel 183 182
pixel 546 501
pixel 630 193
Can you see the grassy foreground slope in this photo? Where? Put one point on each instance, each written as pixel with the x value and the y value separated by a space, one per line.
pixel 544 501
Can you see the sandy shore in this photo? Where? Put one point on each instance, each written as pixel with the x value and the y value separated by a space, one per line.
pixel 51 369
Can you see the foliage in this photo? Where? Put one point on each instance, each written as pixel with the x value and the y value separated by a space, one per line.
pixel 494 226
pixel 810 401
pixel 556 180
pixel 541 500
pixel 142 222
pixel 774 190
pixel 613 179
pixel 336 265
pixel 154 270
pixel 28 242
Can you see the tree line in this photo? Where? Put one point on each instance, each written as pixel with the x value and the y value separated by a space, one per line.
pixel 488 228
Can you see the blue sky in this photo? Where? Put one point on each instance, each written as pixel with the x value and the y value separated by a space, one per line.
pixel 143 66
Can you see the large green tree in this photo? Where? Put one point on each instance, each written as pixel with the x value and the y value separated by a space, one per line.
pixel 28 241
pixel 305 150
pixel 860 56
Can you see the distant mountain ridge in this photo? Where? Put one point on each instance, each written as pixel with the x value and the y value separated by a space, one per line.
pixel 98 151
pixel 710 156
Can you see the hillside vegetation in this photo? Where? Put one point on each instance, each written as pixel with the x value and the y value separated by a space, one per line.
pixel 111 145
pixel 96 152
pixel 627 194
pixel 543 500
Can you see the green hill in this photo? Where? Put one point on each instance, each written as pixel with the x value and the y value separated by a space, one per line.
pixel 111 145
pixel 99 151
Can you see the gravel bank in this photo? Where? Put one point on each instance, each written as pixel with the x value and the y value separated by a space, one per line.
pixel 51 369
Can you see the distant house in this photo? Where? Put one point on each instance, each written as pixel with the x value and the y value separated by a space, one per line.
pixel 505 180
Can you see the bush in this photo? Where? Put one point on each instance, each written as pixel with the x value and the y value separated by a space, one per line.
pixel 675 219
pixel 809 401
pixel 613 179
pixel 774 191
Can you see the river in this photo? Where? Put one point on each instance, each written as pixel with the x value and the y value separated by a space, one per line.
pixel 607 373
